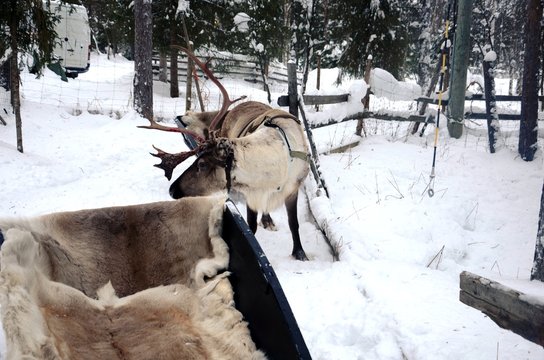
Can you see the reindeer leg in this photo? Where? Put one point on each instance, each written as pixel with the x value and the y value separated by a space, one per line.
pixel 252 219
pixel 267 222
pixel 291 207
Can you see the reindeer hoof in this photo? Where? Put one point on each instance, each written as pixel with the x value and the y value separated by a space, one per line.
pixel 268 223
pixel 300 255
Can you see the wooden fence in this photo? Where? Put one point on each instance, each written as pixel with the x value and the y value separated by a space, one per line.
pixel 490 99
pixel 234 66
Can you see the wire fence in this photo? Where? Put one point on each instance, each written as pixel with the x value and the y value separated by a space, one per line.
pixel 107 89
pixel 393 101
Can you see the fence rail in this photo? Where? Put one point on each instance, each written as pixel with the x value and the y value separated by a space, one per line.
pixel 490 115
pixel 239 67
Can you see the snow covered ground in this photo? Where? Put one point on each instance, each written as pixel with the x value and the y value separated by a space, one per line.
pixel 394 293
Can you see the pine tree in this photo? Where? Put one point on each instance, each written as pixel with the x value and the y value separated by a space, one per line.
pixel 361 28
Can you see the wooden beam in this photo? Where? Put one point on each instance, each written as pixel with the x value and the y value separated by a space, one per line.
pixel 508 308
pixel 371 115
pixel 483 116
pixel 474 97
pixel 324 99
pixel 343 148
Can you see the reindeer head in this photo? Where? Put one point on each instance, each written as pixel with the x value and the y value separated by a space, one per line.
pixel 214 154
pixel 209 173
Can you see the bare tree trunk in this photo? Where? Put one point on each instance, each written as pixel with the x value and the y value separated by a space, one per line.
pixel 192 69
pixel 189 85
pixel 490 104
pixel 163 67
pixel 143 46
pixel 528 131
pixel 174 82
pixel 15 77
pixel 263 62
pixel 537 272
pixel 366 99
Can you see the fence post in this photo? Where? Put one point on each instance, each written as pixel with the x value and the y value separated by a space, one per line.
pixel 490 101
pixel 366 100
pixel 461 52
pixel 292 90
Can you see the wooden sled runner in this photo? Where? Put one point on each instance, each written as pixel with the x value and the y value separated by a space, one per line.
pixel 142 282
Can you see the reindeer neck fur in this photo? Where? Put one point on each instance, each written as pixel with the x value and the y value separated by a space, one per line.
pixel 263 169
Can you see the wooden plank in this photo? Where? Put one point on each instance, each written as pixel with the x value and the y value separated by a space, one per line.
pixel 343 148
pixel 371 115
pixel 483 116
pixel 324 99
pixel 475 97
pixel 508 308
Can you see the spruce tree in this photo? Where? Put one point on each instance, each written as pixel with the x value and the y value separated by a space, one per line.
pixel 360 28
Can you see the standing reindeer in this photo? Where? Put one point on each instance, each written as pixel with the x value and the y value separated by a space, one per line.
pixel 252 149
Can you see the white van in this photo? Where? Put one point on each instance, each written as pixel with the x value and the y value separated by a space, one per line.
pixel 74 37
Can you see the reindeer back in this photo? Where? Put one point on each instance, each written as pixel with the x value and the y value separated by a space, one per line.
pixel 243 119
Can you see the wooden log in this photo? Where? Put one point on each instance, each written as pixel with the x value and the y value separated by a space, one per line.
pixel 343 148
pixel 474 97
pixel 508 308
pixel 324 99
pixel 371 115
pixel 483 116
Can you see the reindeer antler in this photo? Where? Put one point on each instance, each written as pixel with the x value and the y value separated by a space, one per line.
pixel 227 102
pixel 156 126
pixel 170 161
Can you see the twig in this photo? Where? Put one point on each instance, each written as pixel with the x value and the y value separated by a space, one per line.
pixel 498 267
pixel 475 211
pixel 395 186
pixel 437 257
pixel 377 189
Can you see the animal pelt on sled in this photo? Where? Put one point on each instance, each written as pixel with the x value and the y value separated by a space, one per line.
pixel 133 282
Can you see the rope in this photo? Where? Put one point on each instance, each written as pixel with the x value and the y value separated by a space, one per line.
pixel 444 53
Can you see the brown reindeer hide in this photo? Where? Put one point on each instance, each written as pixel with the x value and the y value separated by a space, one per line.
pixel 132 282
pixel 243 119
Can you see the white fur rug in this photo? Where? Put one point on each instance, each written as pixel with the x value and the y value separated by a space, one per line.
pixel 132 282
